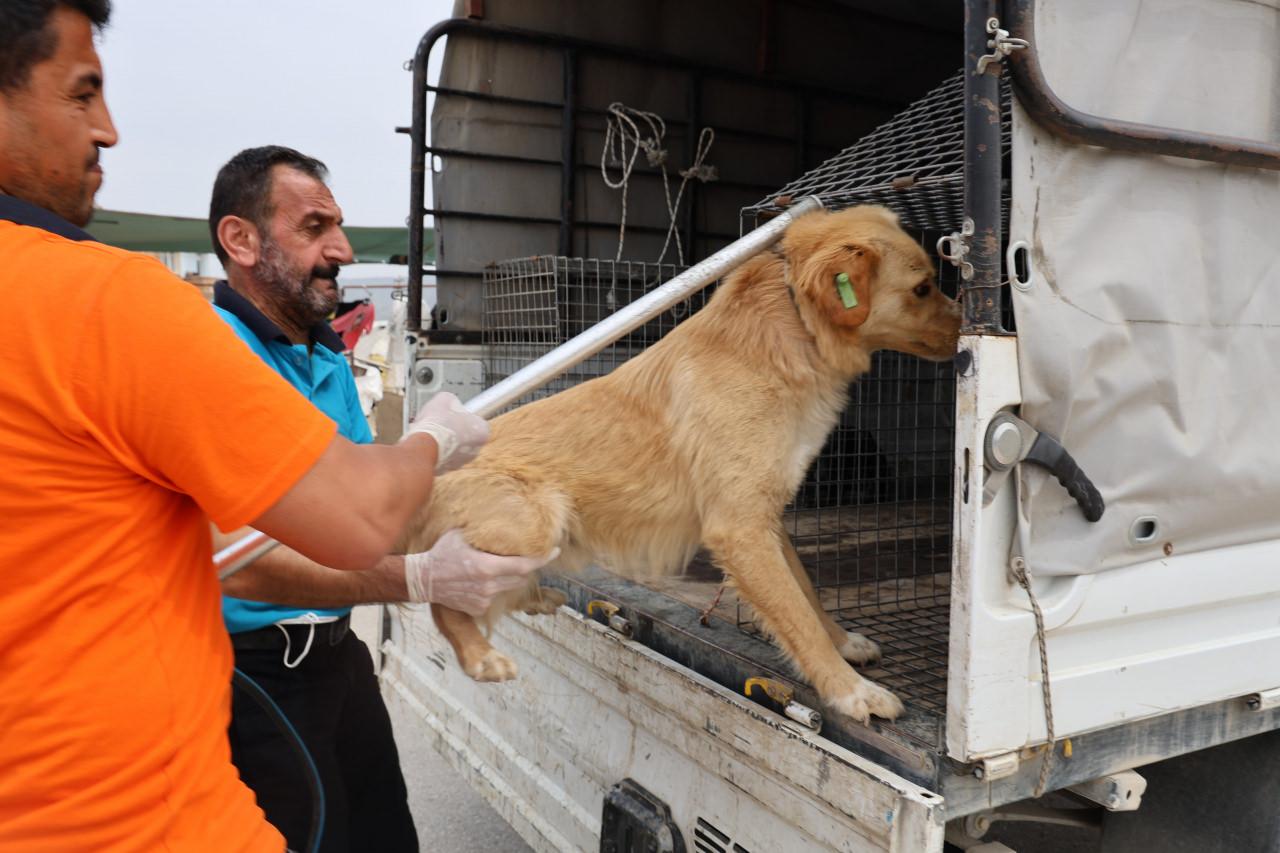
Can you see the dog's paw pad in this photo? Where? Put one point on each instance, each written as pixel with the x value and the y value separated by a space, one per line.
pixel 865 700
pixel 494 666
pixel 548 601
pixel 858 649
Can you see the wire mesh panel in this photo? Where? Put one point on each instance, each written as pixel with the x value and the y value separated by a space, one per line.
pixel 532 305
pixel 913 164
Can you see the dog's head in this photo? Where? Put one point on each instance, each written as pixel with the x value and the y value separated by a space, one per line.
pixel 866 283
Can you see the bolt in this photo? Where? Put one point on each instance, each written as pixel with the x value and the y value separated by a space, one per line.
pixel 425 375
pixel 1168 549
pixel 1006 443
pixel 977 772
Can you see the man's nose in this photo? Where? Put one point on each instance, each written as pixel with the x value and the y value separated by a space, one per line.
pixel 339 250
pixel 104 129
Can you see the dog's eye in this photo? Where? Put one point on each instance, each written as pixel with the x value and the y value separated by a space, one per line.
pixel 922 289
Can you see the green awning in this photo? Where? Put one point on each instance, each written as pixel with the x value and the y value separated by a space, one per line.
pixel 146 232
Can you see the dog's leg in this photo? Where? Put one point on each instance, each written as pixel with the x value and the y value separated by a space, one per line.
pixel 852 646
pixel 476 656
pixel 755 559
pixel 537 600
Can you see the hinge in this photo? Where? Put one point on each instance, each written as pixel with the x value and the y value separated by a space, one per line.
pixel 1001 44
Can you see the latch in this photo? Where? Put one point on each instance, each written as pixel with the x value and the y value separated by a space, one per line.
pixel 1011 440
pixel 997 767
pixel 954 247
pixel 611 617
pixel 784 696
pixel 1001 44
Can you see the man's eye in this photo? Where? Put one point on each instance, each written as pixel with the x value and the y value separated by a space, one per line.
pixel 922 289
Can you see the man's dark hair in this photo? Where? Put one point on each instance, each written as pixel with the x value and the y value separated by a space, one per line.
pixel 243 186
pixel 26 39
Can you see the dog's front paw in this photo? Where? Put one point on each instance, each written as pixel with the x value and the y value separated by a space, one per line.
pixel 545 602
pixel 494 666
pixel 865 699
pixel 858 649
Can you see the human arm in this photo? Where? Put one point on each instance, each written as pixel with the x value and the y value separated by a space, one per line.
pixel 352 506
pixel 284 576
pixel 451 573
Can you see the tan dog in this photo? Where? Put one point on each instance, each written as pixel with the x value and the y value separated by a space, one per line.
pixel 703 439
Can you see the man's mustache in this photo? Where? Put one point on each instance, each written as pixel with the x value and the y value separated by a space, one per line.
pixel 327 272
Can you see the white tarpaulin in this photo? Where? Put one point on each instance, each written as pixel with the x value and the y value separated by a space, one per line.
pixel 1149 339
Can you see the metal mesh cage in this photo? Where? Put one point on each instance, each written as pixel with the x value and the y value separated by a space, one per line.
pixel 532 305
pixel 872 522
pixel 913 164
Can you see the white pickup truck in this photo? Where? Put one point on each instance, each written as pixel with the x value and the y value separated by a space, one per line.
pixel 1100 184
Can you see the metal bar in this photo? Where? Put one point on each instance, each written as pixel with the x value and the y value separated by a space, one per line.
pixel 1044 105
pixel 547 220
pixel 241 553
pixel 498 158
pixel 568 170
pixel 658 59
pixel 418 176
pixel 981 291
pixel 486 97
pixel 576 350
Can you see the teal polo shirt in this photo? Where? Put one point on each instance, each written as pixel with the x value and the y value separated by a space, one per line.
pixel 324 377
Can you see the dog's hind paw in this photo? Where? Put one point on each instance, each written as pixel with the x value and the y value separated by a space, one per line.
pixel 546 602
pixel 858 649
pixel 494 666
pixel 866 699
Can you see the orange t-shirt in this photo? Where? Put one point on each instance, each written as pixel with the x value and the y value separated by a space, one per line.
pixel 129 416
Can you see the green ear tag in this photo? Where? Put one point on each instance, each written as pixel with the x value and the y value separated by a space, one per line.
pixel 845 287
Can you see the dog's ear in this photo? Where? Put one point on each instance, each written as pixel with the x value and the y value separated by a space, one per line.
pixel 845 294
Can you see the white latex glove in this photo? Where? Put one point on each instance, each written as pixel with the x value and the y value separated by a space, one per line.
pixel 458 576
pixel 458 433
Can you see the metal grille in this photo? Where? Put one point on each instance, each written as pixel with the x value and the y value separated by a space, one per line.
pixel 532 305
pixel 913 164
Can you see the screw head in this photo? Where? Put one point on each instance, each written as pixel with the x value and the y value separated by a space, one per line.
pixel 425 375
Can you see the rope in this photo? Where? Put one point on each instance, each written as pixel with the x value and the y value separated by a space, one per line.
pixel 1020 574
pixel 620 131
pixel 623 142
pixel 697 170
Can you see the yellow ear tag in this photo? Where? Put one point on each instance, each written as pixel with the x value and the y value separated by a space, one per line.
pixel 845 288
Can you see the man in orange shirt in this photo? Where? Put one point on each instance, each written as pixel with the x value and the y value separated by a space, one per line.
pixel 130 416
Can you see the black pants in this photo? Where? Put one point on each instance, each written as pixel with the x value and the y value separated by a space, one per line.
pixel 332 699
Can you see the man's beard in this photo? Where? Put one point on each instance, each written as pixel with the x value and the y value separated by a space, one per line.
pixel 291 287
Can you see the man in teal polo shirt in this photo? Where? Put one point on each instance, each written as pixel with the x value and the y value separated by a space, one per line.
pixel 277 231
pixel 278 236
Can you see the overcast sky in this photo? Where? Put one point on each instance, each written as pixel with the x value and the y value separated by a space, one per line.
pixel 190 83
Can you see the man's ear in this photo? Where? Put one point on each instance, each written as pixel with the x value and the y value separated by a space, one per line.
pixel 844 289
pixel 240 240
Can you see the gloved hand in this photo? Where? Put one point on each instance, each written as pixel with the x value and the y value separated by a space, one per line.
pixel 458 576
pixel 458 433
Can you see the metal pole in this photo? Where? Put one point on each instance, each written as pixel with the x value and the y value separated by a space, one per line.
pixel 577 350
pixel 981 290
pixel 241 553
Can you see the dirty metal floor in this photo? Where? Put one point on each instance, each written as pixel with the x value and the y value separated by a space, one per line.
pixel 888 580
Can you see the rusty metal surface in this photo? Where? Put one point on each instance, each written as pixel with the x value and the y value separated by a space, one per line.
pixel 1044 105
